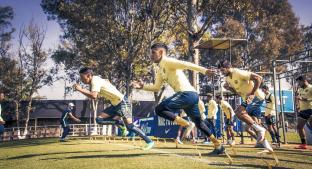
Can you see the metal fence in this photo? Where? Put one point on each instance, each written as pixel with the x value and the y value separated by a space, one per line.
pixel 16 133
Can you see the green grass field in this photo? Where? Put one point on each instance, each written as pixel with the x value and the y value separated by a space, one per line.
pixel 100 153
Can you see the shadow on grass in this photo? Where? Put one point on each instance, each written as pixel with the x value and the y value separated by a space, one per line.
pixel 58 153
pixel 27 143
pixel 246 165
pixel 106 156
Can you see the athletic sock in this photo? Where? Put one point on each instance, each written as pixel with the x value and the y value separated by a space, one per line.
pixel 257 127
pixel 303 141
pixel 215 141
pixel 182 122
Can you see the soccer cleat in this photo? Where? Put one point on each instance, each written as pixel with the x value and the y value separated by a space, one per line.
pixel 259 145
pixel 302 146
pixel 124 131
pixel 218 150
pixel 267 146
pixel 179 141
pixel 63 140
pixel 148 146
pixel 207 142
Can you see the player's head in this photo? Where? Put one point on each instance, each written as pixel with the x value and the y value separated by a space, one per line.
pixel 302 81
pixel 86 74
pixel 225 67
pixel 158 50
pixel 71 105
pixel 265 88
pixel 218 99
pixel 1 95
pixel 209 96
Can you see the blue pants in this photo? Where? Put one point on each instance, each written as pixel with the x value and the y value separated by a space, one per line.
pixel 1 129
pixel 211 125
pixel 65 132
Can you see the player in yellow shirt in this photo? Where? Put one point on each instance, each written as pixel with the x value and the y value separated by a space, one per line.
pixel 245 84
pixel 186 97
pixel 270 114
pixel 304 96
pixel 228 111
pixel 211 115
pixel 120 107
pixel 2 122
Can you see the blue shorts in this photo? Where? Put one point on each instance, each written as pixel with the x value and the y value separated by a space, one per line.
pixel 123 109
pixel 188 101
pixel 270 120
pixel 305 114
pixel 254 108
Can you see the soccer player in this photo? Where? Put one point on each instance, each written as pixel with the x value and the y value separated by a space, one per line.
pixel 228 111
pixel 270 114
pixel 186 97
pixel 64 120
pixel 2 122
pixel 246 84
pixel 120 107
pixel 305 108
pixel 211 115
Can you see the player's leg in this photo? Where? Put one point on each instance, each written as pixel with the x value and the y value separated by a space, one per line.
pixel 300 127
pixel 179 134
pixel 65 133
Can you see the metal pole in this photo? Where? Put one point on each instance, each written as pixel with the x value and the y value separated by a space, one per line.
pixel 275 94
pixel 221 112
pixel 282 110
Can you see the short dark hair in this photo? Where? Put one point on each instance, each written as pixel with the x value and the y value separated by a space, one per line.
pixel 224 64
pixel 265 87
pixel 85 70
pixel 219 97
pixel 301 78
pixel 160 45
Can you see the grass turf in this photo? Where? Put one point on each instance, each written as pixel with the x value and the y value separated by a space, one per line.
pixel 84 153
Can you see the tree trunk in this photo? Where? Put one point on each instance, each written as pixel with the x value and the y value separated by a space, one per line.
pixel 27 117
pixel 193 54
pixel 17 113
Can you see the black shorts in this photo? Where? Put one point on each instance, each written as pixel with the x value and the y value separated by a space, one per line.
pixel 123 109
pixel 305 114
pixel 229 122
pixel 270 120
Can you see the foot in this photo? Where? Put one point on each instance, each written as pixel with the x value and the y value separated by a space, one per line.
pixel 219 150
pixel 63 140
pixel 232 143
pixel 188 130
pixel 179 141
pixel 302 146
pixel 124 131
pixel 207 142
pixel 148 146
pixel 267 146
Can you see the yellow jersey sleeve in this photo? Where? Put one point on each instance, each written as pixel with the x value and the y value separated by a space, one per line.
pixel 157 85
pixel 178 64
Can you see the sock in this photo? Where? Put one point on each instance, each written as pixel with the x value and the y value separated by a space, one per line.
pixel 180 121
pixel 257 127
pixel 277 137
pixel 303 141
pixel 215 141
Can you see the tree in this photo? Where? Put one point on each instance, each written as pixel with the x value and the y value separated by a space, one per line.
pixel 6 15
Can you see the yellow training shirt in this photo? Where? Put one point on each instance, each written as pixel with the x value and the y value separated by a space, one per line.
pixel 106 89
pixel 171 72
pixel 241 83
pixel 270 106
pixel 305 93
pixel 227 109
pixel 212 109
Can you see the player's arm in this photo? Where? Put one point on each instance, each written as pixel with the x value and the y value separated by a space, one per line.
pixel 228 87
pixel 257 79
pixel 2 122
pixel 149 87
pixel 179 64
pixel 89 94
pixel 74 118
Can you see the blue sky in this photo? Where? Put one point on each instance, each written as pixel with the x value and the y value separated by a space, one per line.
pixel 25 10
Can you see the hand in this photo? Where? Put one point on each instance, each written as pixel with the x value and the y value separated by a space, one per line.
pixel 77 87
pixel 211 72
pixel 137 84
